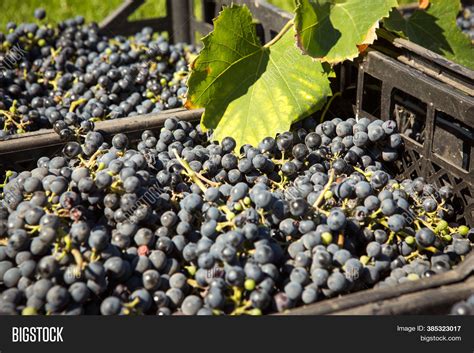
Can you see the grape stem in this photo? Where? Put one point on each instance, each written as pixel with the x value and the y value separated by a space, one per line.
pixel 412 255
pixel 193 283
pixel 383 222
pixel 229 214
pixel 93 158
pixel 196 177
pixel 204 179
pixel 340 240
pixel 76 104
pixel 78 258
pixel 367 175
pixel 431 249
pixel 242 309
pixel 426 224
pixel 390 238
pixel 323 192
pixel 284 180
pixel 375 214
pixel 132 304
pixel 94 257
pixel 328 105
pixel 283 31
pixel 223 225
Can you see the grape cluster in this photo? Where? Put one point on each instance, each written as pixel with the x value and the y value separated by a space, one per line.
pixel 465 21
pixel 465 307
pixel 69 75
pixel 176 224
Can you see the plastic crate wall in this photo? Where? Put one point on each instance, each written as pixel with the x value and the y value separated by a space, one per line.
pixel 436 121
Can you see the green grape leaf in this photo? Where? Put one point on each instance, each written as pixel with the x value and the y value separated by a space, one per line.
pixel 250 91
pixel 333 30
pixel 435 29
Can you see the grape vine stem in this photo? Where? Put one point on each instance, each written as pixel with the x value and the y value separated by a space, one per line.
pixel 328 105
pixel 283 31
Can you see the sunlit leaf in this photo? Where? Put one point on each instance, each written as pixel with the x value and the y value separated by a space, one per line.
pixel 250 91
pixel 334 30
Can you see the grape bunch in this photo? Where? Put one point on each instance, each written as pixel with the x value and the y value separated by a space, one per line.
pixel 465 21
pixel 465 307
pixel 178 224
pixel 68 75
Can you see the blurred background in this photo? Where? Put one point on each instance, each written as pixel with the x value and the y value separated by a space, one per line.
pixel 92 10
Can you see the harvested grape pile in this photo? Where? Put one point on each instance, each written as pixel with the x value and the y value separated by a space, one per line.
pixel 177 224
pixel 465 21
pixel 465 307
pixel 70 74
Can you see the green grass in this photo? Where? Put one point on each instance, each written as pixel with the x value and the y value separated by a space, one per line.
pixel 57 10
pixel 93 10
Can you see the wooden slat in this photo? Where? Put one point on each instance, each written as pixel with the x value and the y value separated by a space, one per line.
pixel 23 147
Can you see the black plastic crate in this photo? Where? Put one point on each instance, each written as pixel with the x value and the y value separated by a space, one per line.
pixel 436 119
